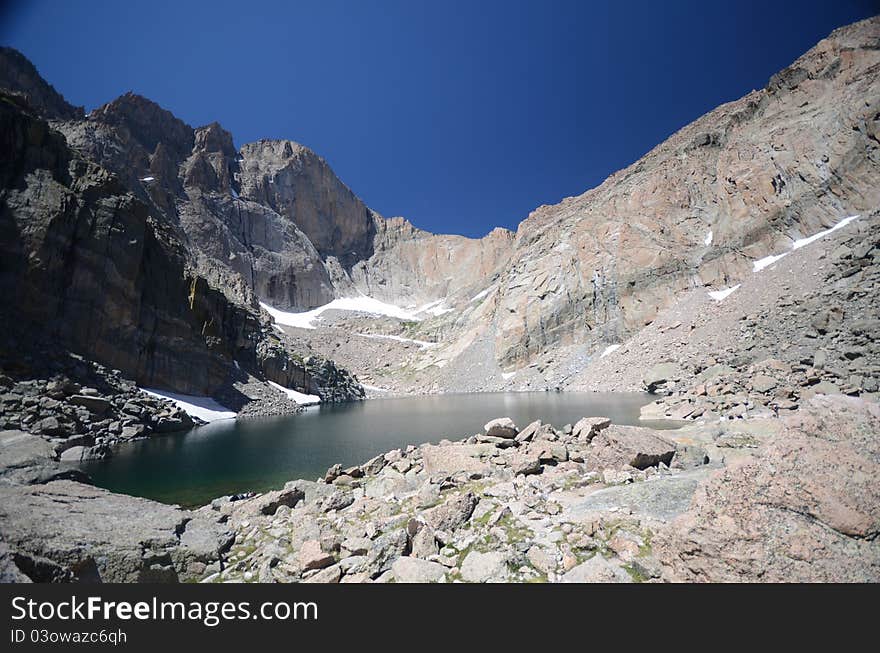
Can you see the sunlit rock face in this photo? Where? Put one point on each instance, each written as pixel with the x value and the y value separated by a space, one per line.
pixel 780 163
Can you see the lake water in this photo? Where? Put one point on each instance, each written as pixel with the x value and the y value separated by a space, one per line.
pixel 233 456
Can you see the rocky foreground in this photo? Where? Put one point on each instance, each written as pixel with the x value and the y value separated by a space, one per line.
pixel 763 499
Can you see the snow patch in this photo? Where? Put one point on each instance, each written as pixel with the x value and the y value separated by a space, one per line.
pixel 708 240
pixel 205 408
pixel 481 294
pixel 767 261
pixel 719 295
pixel 770 260
pixel 381 336
pixel 362 304
pixel 234 194
pixel 374 388
pixel 148 179
pixel 610 349
pixel 508 375
pixel 299 397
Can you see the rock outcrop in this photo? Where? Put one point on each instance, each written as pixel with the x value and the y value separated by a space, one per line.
pixel 741 182
pixel 73 532
pixel 805 509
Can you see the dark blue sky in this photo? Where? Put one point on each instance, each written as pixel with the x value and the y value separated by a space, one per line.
pixel 460 116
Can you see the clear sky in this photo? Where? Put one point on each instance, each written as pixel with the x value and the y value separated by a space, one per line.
pixel 459 115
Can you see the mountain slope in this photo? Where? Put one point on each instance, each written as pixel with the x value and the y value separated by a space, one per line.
pixel 779 164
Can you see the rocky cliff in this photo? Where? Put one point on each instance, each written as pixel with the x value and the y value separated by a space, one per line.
pixel 88 265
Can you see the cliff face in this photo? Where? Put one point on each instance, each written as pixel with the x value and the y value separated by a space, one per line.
pixel 298 184
pixel 413 267
pixel 87 265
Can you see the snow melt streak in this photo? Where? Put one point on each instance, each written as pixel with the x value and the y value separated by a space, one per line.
pixel 770 260
pixel 381 336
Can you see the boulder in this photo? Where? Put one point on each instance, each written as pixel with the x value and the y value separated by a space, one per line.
pixel 620 446
pixel 129 539
pixel 484 567
pixel 424 543
pixel 19 449
pixel 81 453
pixel 52 427
pixel 407 569
pixel 339 500
pixel 452 514
pixel 587 427
pixel 541 559
pixel 806 508
pixel 385 549
pixel 525 463
pixel 529 431
pixel 331 574
pixel 455 458
pixel 547 451
pixel 311 556
pixel 95 405
pixel 763 383
pixel 502 427
pixel 660 375
pixel 597 570
pixel 268 503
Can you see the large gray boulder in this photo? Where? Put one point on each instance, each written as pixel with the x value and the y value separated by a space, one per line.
pixel 484 567
pixel 453 513
pixel 804 508
pixel 660 375
pixel 90 534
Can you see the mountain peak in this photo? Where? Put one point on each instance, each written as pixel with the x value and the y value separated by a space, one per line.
pixel 19 75
pixel 148 123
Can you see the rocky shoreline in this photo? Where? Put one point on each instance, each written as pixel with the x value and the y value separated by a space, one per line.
pixel 759 499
